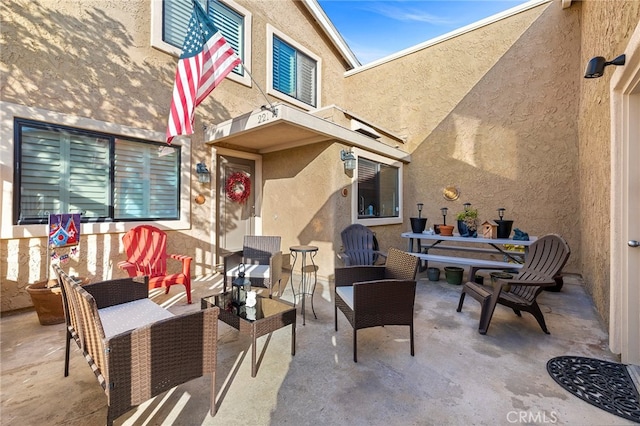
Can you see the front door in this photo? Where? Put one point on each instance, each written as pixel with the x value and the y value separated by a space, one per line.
pixel 624 324
pixel 237 201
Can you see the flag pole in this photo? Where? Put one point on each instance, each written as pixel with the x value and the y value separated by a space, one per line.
pixel 271 107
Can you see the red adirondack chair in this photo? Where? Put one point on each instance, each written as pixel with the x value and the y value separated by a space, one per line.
pixel 146 248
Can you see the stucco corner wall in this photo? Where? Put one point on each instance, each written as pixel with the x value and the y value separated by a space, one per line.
pixel 606 28
pixel 494 113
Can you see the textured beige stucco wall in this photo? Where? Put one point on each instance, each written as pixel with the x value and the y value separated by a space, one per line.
pixel 305 205
pixel 606 29
pixel 94 59
pixel 493 112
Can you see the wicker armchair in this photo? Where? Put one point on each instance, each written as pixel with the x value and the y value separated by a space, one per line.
pixel 262 257
pixel 377 295
pixel 136 349
pixel 547 256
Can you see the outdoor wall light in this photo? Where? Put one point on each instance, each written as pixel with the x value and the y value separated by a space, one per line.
pixel 204 176
pixel 595 67
pixel 349 160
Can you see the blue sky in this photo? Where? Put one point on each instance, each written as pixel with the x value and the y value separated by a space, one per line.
pixel 375 29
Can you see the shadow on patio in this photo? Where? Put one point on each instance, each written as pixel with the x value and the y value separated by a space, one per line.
pixel 456 377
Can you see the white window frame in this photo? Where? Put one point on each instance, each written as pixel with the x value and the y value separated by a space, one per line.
pixel 158 43
pixel 10 111
pixel 271 31
pixel 354 190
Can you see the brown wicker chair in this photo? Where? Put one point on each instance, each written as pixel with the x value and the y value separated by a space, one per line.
pixel 135 364
pixel 377 295
pixel 262 251
pixel 546 258
pixel 360 246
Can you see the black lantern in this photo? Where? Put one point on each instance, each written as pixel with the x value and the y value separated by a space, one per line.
pixel 240 287
pixel 444 211
pixel 501 212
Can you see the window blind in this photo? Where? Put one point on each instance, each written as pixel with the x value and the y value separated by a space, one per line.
pixel 145 184
pixel 62 172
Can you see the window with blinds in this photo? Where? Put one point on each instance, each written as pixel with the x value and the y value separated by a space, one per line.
pixel 294 73
pixel 177 13
pixel 65 170
pixel 378 190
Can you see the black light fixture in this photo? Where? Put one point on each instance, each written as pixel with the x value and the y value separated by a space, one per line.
pixel 595 67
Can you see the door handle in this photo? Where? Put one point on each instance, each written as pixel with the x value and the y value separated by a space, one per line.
pixel 633 243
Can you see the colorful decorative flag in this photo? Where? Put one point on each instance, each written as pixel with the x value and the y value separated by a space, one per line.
pixel 64 229
pixel 206 60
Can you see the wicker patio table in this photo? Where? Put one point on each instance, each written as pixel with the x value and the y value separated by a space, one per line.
pixel 268 316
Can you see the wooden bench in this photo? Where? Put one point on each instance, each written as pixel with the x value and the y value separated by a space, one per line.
pixel 466 261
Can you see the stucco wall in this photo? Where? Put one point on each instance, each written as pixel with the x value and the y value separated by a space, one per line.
pixel 304 204
pixel 94 59
pixel 606 28
pixel 493 112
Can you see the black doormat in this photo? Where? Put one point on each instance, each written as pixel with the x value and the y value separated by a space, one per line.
pixel 606 385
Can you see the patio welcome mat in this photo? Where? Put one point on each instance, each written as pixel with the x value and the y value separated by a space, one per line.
pixel 606 385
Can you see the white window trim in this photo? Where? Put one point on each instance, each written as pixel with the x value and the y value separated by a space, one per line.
pixel 9 111
pixel 158 43
pixel 354 190
pixel 271 31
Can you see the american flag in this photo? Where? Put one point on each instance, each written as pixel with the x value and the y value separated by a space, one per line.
pixel 206 60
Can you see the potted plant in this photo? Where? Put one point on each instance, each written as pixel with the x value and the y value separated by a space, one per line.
pixel 468 221
pixel 418 224
pixel 504 226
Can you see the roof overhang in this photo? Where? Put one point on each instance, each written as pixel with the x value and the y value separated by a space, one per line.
pixel 285 127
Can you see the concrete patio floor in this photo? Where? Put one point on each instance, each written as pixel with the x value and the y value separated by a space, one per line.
pixel 457 376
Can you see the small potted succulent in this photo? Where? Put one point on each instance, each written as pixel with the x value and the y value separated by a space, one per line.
pixel 468 221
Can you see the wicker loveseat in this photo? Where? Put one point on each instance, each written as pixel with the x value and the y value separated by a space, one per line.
pixel 136 349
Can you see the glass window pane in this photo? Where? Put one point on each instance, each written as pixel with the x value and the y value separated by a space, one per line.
pixel 62 172
pixel 284 67
pixel 146 184
pixel 388 191
pixel 378 190
pixel 307 79
pixel 231 24
pixel 175 20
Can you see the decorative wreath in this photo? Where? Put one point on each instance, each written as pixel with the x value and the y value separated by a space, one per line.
pixel 238 187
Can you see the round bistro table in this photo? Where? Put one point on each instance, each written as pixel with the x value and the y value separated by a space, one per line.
pixel 306 287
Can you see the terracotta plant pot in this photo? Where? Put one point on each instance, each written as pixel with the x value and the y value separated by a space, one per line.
pixel 446 230
pixel 47 300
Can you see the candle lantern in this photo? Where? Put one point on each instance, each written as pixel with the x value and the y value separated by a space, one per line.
pixel 444 211
pixel 466 206
pixel 418 224
pixel 240 287
pixel 504 226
